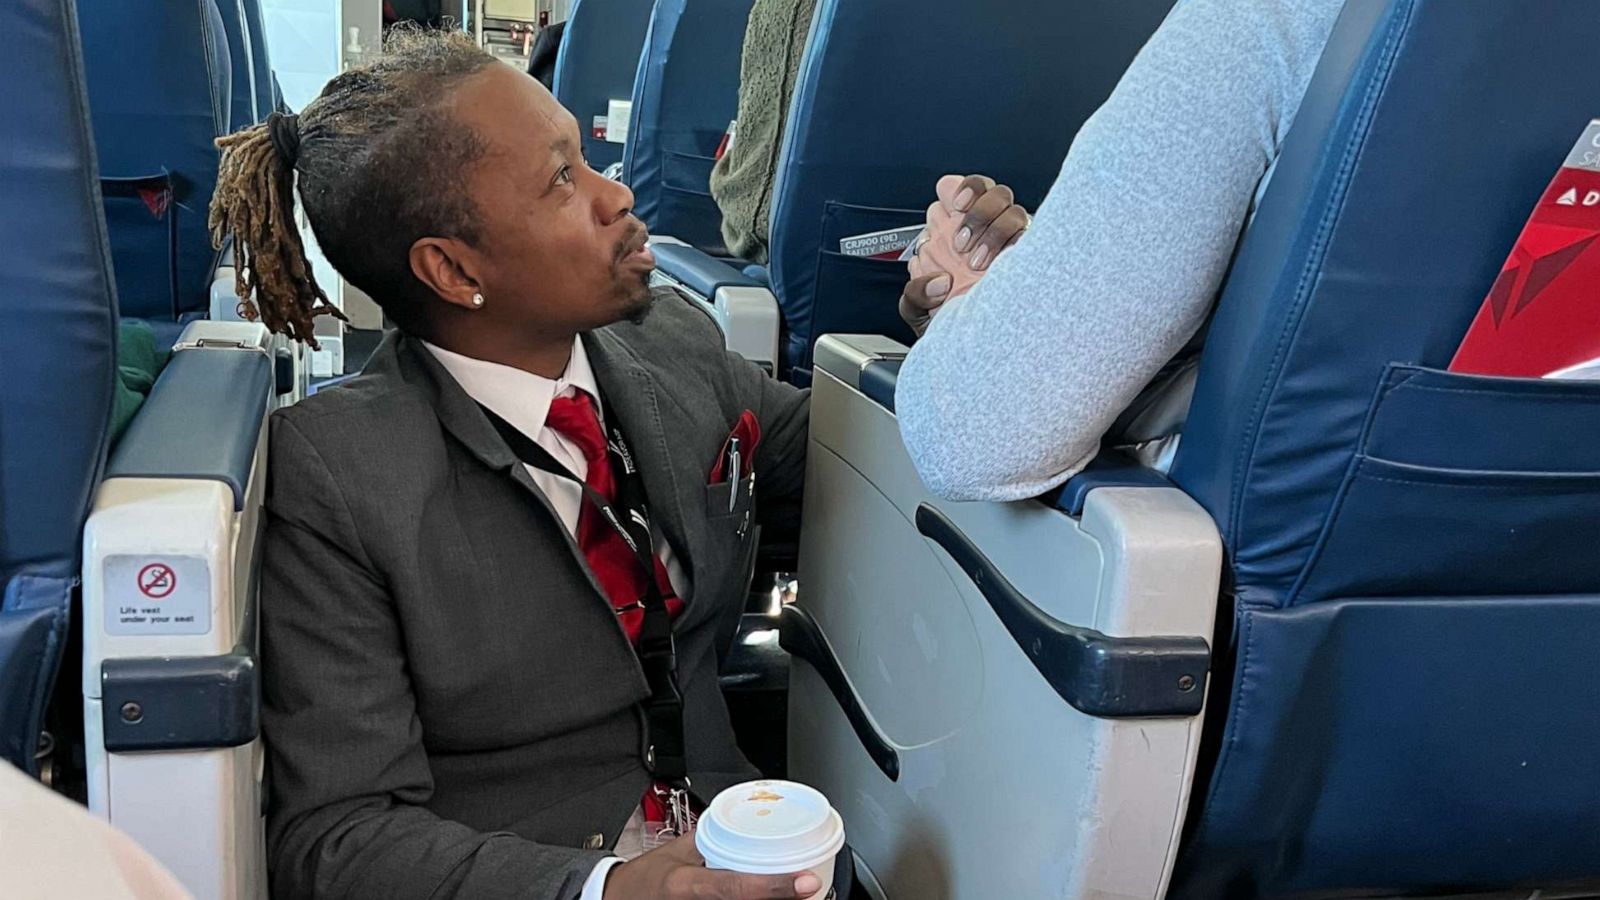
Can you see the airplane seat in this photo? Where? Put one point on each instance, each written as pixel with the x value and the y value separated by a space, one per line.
pixel 685 94
pixel 141 567
pixel 160 92
pixel 242 75
pixel 171 558
pixel 1006 699
pixel 595 69
pixel 862 151
pixel 58 297
pixel 278 103
pixel 260 60
pixel 1408 696
pixel 162 89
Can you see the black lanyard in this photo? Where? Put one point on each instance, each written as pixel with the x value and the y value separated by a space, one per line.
pixel 663 710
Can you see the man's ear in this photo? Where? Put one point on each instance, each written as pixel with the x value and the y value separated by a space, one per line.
pixel 448 267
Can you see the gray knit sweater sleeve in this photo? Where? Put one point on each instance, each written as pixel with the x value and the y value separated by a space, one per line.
pixel 1012 388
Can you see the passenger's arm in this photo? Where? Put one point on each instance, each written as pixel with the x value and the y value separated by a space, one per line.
pixel 349 775
pixel 1012 388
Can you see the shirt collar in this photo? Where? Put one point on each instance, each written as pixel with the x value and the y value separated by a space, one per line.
pixel 521 398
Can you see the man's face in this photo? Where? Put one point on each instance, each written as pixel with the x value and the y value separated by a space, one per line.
pixel 560 247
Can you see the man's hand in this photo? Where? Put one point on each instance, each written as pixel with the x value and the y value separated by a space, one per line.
pixel 971 223
pixel 990 218
pixel 676 871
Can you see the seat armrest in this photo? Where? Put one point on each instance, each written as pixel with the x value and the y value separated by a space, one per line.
pixel 171 556
pixel 870 363
pixel 744 308
pixel 698 271
pixel 204 416
pixel 1112 468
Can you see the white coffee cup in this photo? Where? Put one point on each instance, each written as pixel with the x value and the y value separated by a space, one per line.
pixel 772 828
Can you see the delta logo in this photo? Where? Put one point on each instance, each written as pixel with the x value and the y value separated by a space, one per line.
pixel 1574 198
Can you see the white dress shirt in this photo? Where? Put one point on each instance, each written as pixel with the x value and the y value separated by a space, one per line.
pixel 523 399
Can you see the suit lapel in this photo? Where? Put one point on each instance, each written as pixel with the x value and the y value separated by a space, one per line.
pixel 631 397
pixel 461 416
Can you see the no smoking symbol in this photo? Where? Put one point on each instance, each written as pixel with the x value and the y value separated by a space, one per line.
pixel 157 581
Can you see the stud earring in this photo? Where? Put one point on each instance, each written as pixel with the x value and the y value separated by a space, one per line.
pixel 477 301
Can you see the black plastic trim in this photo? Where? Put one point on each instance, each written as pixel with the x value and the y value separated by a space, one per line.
pixel 1102 676
pixel 878 380
pixel 799 634
pixel 283 370
pixel 1112 468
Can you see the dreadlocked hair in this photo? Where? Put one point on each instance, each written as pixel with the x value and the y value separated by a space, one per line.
pixel 254 202
pixel 378 158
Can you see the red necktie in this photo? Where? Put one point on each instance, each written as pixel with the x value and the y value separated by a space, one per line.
pixel 609 556
pixel 614 564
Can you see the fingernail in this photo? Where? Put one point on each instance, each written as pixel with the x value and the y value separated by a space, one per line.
pixel 939 286
pixel 806 885
pixel 980 257
pixel 964 199
pixel 962 236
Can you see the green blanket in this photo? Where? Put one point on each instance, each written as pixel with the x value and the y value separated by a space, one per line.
pixel 139 362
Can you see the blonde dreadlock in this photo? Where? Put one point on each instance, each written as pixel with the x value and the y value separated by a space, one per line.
pixel 254 202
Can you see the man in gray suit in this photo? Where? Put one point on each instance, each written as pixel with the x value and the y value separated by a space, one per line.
pixel 454 702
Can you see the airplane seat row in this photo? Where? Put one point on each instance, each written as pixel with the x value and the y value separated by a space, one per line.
pixel 160 94
pixel 595 69
pixel 138 558
pixel 242 69
pixel 889 98
pixel 861 150
pixel 262 78
pixel 162 89
pixel 1345 649
pixel 685 95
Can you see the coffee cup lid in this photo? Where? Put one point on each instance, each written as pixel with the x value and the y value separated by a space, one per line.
pixel 769 828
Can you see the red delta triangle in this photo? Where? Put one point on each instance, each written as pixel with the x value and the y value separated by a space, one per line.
pixel 1543 311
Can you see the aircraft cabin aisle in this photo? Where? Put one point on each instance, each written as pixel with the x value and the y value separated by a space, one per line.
pixel 839 449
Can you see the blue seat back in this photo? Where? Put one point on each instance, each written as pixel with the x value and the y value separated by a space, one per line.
pixel 57 354
pixel 895 93
pixel 597 63
pixel 1407 676
pixel 242 76
pixel 160 92
pixel 685 94
pixel 260 60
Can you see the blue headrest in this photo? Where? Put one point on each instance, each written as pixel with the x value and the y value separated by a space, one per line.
pixel 241 48
pixel 57 351
pixel 598 61
pixel 895 93
pixel 686 93
pixel 260 61
pixel 1428 133
pixel 160 89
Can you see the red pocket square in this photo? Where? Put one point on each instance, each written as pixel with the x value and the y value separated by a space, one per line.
pixel 748 432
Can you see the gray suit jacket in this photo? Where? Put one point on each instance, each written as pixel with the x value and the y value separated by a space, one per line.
pixel 450 704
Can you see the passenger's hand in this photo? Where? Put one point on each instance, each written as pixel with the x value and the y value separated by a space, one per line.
pixel 990 219
pixel 972 221
pixel 922 297
pixel 675 871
